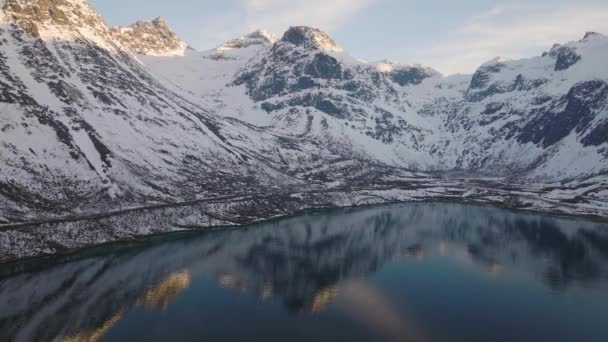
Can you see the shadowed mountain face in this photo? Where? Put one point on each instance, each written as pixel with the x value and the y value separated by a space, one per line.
pixel 302 263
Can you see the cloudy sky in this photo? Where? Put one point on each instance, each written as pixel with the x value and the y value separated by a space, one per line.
pixel 452 36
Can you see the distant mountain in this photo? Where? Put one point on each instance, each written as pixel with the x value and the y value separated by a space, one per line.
pixel 149 37
pixel 259 37
pixel 96 119
pixel 510 118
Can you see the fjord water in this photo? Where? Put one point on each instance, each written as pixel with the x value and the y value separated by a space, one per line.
pixel 410 272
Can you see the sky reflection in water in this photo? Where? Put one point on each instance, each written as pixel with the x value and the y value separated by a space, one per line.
pixel 415 272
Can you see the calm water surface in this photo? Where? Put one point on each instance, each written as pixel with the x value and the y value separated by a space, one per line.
pixel 417 272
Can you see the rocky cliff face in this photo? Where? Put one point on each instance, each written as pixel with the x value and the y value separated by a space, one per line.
pixel 406 74
pixel 61 19
pixel 534 113
pixel 88 128
pixel 310 38
pixel 309 87
pixel 149 38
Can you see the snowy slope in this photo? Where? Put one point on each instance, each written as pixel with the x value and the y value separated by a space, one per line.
pixel 545 116
pixel 267 85
pixel 495 122
pixel 205 76
pixel 83 124
pixel 95 118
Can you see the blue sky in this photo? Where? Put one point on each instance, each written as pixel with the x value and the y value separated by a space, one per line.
pixel 452 36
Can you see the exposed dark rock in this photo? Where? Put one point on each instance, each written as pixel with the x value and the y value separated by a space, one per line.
pixel 308 37
pixel 566 57
pixel 411 75
pixel 271 107
pixel 482 76
pixel 598 136
pixel 481 88
pixel 305 83
pixel 319 101
pixel 591 35
pixel 104 152
pixel 492 108
pixel 324 66
pixel 268 89
pixel 582 103
pixel 327 106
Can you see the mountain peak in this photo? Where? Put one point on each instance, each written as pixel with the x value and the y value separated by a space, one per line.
pixel 264 35
pixel 591 34
pixel 38 17
pixel 257 37
pixel 404 74
pixel 387 65
pixel 496 60
pixel 159 21
pixel 310 37
pixel 149 38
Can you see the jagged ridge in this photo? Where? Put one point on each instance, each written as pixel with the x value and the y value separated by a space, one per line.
pixel 149 37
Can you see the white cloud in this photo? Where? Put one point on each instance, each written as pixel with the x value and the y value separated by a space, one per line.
pixel 515 31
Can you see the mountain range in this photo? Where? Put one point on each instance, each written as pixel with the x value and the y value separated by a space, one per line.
pixel 95 119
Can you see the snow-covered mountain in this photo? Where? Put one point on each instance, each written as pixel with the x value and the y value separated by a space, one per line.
pixel 94 119
pixel 84 123
pixel 522 118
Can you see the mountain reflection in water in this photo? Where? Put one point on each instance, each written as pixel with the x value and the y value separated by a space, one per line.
pixel 307 263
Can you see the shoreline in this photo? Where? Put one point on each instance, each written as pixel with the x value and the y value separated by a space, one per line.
pixel 275 207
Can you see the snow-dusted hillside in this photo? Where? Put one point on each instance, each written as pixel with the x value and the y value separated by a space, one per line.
pixel 83 124
pixel 205 75
pixel 96 119
pixel 546 116
pixel 542 118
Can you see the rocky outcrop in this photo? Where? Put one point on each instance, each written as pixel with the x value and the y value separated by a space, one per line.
pixel 406 75
pixel 310 38
pixel 34 16
pixel 583 103
pixel 565 57
pixel 149 38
